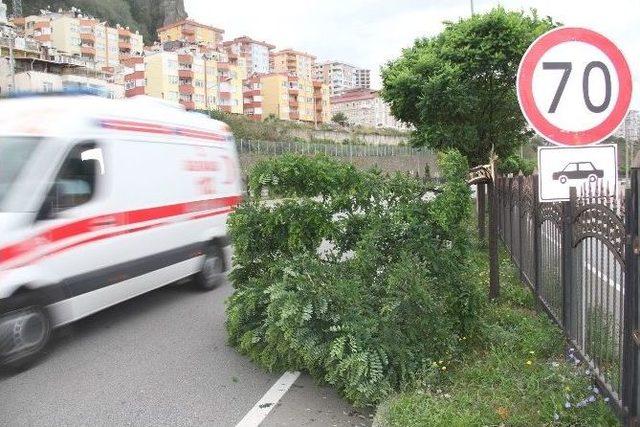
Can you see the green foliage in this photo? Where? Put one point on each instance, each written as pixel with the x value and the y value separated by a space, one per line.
pixel 340 118
pixel 515 164
pixel 516 375
pixel 458 88
pixel 353 277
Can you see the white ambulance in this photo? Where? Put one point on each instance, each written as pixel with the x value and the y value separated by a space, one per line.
pixel 103 200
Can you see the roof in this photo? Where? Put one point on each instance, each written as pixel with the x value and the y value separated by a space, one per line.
pixel 293 52
pixel 247 39
pixel 355 95
pixel 68 115
pixel 190 22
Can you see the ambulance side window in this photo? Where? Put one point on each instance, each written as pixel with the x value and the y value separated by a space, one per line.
pixel 75 183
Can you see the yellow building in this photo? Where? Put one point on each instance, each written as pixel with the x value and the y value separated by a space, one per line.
pixel 180 78
pixel 275 89
pixel 231 75
pixel 191 32
pixel 308 100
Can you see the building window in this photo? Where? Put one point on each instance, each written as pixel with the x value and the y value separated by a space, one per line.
pixel 47 87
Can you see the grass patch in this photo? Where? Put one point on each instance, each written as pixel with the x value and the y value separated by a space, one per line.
pixel 516 376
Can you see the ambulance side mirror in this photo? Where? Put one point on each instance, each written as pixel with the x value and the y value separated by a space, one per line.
pixel 47 210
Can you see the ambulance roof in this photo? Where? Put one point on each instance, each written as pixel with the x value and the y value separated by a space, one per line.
pixel 68 115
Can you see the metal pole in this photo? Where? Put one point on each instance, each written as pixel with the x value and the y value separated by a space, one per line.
pixel 494 272
pixel 631 322
pixel 537 231
pixel 568 305
pixel 472 12
pixel 12 60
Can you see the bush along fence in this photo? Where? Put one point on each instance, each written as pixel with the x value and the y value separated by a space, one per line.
pixel 580 259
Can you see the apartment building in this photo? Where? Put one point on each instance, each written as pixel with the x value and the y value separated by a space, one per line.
pixel 365 107
pixel 74 34
pixel 255 53
pixel 191 32
pixel 342 77
pixel 338 75
pixel 288 97
pixel 363 78
pixel 252 97
pixel 231 75
pixel 294 62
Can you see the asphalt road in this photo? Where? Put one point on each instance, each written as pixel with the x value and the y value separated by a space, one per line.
pixel 159 359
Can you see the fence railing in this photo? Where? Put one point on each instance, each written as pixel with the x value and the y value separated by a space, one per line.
pixel 339 150
pixel 578 258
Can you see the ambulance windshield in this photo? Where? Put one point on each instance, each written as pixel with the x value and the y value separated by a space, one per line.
pixel 15 152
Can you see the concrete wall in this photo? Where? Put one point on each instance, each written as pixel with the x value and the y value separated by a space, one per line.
pixel 390 164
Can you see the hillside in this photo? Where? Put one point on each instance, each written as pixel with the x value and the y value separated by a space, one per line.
pixel 142 15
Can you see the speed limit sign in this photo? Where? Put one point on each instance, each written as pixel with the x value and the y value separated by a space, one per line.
pixel 574 86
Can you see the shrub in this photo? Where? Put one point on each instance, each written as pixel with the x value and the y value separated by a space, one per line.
pixel 353 277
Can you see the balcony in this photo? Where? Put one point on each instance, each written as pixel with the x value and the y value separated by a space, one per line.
pixel 185 74
pixel 41 24
pixel 294 115
pixel 87 37
pixel 226 108
pixel 88 50
pixel 185 89
pixel 224 95
pixel 138 90
pixel 294 91
pixel 252 92
pixel 124 45
pixel 293 103
pixel 189 105
pixel 185 59
pixel 252 104
pixel 123 32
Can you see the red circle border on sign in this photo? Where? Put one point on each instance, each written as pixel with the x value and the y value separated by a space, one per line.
pixel 525 86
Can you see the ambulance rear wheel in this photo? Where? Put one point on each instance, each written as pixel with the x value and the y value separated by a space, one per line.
pixel 25 329
pixel 212 273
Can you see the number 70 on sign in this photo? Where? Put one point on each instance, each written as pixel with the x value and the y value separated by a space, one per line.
pixel 574 86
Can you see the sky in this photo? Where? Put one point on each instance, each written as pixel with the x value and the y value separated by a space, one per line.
pixel 369 33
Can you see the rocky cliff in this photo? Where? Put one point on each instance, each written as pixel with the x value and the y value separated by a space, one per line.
pixel 142 15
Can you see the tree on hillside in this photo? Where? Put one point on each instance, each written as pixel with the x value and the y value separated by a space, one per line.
pixel 458 89
pixel 340 118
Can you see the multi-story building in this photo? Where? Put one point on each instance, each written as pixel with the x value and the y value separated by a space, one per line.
pixel 342 77
pixel 293 62
pixel 288 97
pixel 338 75
pixel 363 78
pixel 73 34
pixel 255 53
pixel 252 97
pixel 365 107
pixel 232 72
pixel 191 32
pixel 3 13
pixel 198 81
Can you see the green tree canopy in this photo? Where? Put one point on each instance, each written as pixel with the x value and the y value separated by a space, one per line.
pixel 340 118
pixel 458 89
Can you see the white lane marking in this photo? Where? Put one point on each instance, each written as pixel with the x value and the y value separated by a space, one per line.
pixel 260 410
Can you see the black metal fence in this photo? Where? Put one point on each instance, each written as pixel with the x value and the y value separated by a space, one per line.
pixel 579 259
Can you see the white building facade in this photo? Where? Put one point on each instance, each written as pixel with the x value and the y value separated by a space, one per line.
pixel 365 107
